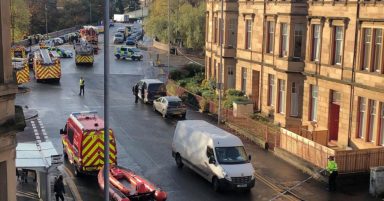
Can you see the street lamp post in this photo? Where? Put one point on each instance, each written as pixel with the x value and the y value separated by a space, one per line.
pixel 106 100
pixel 90 13
pixel 169 37
pixel 221 24
pixel 46 21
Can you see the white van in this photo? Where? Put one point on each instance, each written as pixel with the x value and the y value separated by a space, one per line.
pixel 213 153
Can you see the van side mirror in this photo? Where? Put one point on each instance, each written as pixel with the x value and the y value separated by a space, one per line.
pixel 61 131
pixel 249 157
pixel 212 160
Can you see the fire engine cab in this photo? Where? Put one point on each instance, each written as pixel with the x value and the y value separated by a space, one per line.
pixel 83 143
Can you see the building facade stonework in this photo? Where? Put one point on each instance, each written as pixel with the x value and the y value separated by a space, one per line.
pixel 310 64
pixel 8 89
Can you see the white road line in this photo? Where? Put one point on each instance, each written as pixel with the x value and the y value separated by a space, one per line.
pixel 37 137
pixel 35 131
pixel 39 141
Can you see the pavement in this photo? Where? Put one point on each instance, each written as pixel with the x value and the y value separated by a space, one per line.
pixel 35 132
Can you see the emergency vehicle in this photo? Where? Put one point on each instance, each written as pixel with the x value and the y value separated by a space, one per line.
pixel 124 52
pixel 83 143
pixel 46 66
pixel 83 53
pixel 89 33
pixel 20 64
pixel 21 69
pixel 18 52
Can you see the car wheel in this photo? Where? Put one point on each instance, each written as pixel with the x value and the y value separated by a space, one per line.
pixel 117 56
pixel 215 184
pixel 133 58
pixel 179 162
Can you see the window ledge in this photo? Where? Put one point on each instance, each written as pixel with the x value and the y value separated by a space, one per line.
pixel 371 73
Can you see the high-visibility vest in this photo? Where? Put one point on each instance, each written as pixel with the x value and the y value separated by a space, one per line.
pixel 332 166
pixel 81 82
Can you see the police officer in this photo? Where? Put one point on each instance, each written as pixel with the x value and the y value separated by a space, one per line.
pixel 332 170
pixel 82 84
pixel 136 92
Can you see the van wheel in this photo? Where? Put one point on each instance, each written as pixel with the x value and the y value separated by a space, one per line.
pixel 179 163
pixel 215 184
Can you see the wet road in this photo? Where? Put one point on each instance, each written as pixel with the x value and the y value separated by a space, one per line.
pixel 143 137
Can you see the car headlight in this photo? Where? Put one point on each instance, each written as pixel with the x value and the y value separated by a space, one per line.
pixel 226 176
pixel 253 176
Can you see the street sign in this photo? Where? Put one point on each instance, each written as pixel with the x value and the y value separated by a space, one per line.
pixel 57 159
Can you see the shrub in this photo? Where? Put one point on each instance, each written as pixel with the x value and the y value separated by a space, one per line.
pixel 234 92
pixel 208 94
pixel 192 69
pixel 177 74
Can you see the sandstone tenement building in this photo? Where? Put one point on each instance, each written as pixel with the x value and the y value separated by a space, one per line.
pixel 315 64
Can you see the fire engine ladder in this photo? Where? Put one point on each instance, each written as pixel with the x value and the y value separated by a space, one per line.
pixel 45 55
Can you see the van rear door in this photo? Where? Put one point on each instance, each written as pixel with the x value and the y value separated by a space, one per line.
pixel 93 150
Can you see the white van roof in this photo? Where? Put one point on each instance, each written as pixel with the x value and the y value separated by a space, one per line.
pixel 220 137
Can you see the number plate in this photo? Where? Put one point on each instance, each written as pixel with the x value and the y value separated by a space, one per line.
pixel 242 185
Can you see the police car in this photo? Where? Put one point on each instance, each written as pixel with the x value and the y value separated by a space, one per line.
pixel 125 52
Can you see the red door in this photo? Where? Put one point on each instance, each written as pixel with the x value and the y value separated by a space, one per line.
pixel 334 121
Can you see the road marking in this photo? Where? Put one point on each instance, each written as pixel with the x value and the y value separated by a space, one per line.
pixel 276 188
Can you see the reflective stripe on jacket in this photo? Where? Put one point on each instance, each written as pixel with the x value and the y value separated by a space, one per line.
pixel 81 82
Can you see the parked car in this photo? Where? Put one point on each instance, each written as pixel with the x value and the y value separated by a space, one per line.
pixel 170 105
pixel 63 53
pixel 215 154
pixel 118 38
pixel 130 41
pixel 121 30
pixel 151 89
pixel 58 41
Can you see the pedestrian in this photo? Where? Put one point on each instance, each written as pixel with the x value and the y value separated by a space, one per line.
pixel 135 90
pixel 332 170
pixel 58 188
pixel 82 84
pixel 30 40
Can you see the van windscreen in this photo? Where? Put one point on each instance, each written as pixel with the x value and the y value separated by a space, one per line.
pixel 156 87
pixel 231 155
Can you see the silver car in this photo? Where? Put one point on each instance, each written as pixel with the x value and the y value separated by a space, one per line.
pixel 170 105
pixel 118 38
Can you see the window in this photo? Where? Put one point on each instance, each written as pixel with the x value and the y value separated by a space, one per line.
pixel 372 120
pixel 313 106
pixel 210 152
pixel 298 39
pixel 206 27
pixel 248 34
pixel 281 108
pixel 284 40
pixel 244 80
pixel 232 30
pixel 381 129
pixel 270 36
pixel 366 48
pixel 294 100
pixel 338 42
pixel 214 69
pixel 221 24
pixel 378 56
pixel 361 116
pixel 316 42
pixel 271 89
pixel 215 33
pixel 71 134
